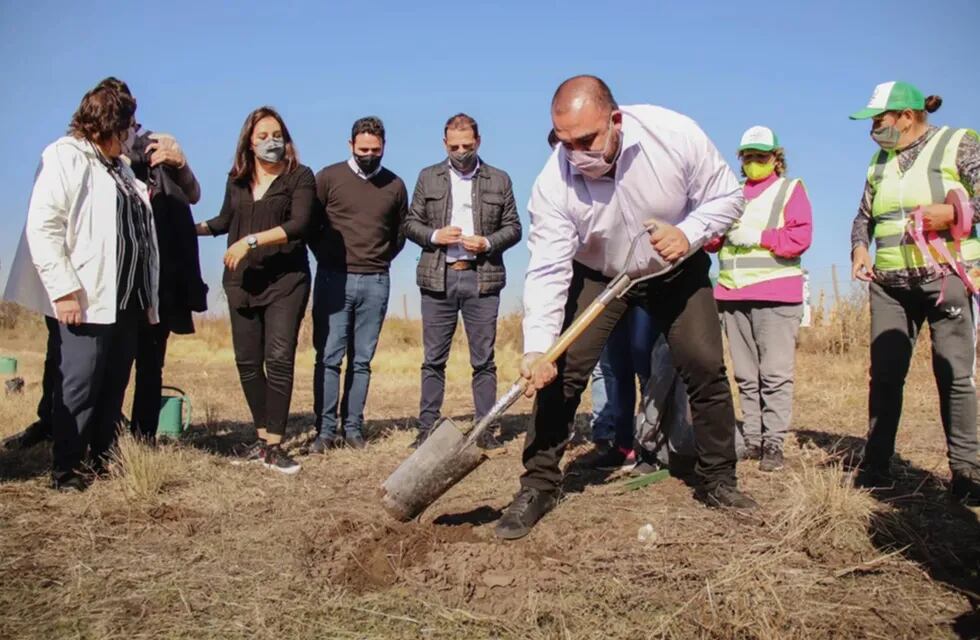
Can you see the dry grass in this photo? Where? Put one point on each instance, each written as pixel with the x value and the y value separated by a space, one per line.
pixel 178 543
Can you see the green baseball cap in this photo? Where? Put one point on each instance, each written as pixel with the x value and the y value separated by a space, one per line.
pixel 891 96
pixel 758 139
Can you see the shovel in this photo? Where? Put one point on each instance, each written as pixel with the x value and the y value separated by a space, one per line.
pixel 450 453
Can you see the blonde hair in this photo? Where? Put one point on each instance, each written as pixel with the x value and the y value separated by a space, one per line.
pixel 779 159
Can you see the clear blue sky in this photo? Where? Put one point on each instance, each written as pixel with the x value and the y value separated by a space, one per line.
pixel 197 68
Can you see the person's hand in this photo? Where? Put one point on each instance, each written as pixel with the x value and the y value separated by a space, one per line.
pixel 937 217
pixel 670 242
pixel 165 150
pixel 68 309
pixel 539 374
pixel 475 244
pixel 449 235
pixel 235 254
pixel 861 265
pixel 742 236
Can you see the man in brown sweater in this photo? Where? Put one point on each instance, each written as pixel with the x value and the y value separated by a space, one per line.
pixel 363 207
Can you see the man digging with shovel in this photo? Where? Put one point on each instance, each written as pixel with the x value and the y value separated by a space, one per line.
pixel 616 169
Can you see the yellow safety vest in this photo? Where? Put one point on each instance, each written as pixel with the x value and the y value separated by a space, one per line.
pixel 743 266
pixel 897 194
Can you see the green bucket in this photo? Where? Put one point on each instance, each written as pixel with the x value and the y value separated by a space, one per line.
pixel 8 366
pixel 175 413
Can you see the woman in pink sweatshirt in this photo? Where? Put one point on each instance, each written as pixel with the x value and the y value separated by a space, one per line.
pixel 760 292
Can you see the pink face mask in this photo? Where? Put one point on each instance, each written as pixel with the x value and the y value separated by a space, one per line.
pixel 593 164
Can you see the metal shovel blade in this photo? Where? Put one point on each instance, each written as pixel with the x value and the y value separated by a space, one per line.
pixel 441 461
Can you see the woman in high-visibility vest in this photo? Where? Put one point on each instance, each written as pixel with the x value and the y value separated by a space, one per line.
pixel 904 199
pixel 760 293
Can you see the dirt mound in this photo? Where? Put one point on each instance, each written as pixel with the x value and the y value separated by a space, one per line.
pixel 365 556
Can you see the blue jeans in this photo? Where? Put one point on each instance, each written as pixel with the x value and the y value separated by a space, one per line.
pixel 625 357
pixel 348 309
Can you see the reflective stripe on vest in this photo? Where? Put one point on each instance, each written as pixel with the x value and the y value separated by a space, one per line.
pixel 897 194
pixel 745 266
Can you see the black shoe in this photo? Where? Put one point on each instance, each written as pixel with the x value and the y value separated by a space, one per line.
pixel 37 433
pixel 727 496
pixel 69 483
pixel 488 440
pixel 355 440
pixel 247 454
pixel 278 460
pixel 874 477
pixel 613 459
pixel 523 513
pixel 772 458
pixel 965 486
pixel 420 438
pixel 751 452
pixel 322 443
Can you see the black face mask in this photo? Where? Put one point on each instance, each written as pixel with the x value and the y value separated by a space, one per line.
pixel 463 161
pixel 368 164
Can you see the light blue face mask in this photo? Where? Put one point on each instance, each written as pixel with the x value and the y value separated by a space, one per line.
pixel 270 150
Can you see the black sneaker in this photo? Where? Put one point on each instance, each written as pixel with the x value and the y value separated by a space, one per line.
pixel 248 454
pixel 419 439
pixel 322 443
pixel 36 433
pixel 965 486
pixel 772 458
pixel 751 452
pixel 727 496
pixel 523 513
pixel 355 440
pixel 613 459
pixel 488 440
pixel 69 483
pixel 278 460
pixel 874 477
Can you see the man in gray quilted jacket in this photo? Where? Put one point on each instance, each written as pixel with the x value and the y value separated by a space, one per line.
pixel 464 217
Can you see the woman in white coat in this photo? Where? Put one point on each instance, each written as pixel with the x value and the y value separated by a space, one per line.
pixel 88 262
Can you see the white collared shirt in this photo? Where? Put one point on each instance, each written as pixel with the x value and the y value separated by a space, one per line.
pixel 461 189
pixel 352 163
pixel 667 169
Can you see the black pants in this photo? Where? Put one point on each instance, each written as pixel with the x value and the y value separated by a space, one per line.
pixel 52 360
pixel 685 309
pixel 440 313
pixel 94 364
pixel 265 352
pixel 151 352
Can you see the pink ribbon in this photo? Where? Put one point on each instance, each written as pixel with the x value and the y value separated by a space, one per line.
pixel 961 228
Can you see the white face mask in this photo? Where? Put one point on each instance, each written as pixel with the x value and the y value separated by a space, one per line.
pixel 593 164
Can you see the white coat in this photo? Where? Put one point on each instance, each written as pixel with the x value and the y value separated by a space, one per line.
pixel 69 241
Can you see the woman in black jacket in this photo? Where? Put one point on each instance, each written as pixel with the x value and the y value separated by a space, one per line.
pixel 268 204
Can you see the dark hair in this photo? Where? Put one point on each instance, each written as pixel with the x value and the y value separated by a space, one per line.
pixel 552 138
pixel 103 113
pixel 460 122
pixel 371 125
pixel 244 165
pixel 114 83
pixel 592 86
pixel 933 103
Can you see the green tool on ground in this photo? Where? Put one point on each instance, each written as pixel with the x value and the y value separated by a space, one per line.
pixel 8 365
pixel 175 413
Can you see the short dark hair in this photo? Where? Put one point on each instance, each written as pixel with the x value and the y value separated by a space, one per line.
pixel 461 121
pixel 103 113
pixel 371 125
pixel 115 84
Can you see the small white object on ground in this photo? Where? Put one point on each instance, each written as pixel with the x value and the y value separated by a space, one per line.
pixel 646 533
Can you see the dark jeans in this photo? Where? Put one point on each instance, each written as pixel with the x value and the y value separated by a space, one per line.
pixel 440 312
pixel 348 313
pixel 265 353
pixel 52 360
pixel 897 316
pixel 624 359
pixel 151 352
pixel 95 361
pixel 684 307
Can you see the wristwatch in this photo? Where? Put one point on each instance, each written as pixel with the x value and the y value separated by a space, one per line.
pixel 252 242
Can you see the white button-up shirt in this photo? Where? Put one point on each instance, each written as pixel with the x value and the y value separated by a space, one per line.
pixel 461 195
pixel 352 163
pixel 667 169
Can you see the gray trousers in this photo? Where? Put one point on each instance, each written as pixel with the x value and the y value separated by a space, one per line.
pixel 762 340
pixel 440 313
pixel 896 319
